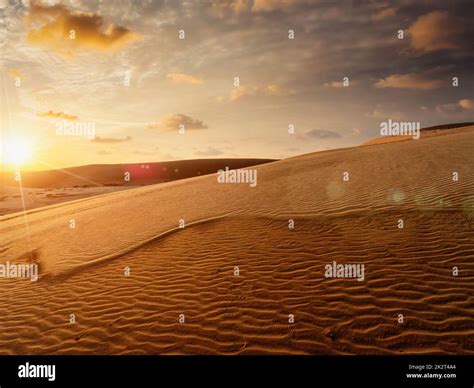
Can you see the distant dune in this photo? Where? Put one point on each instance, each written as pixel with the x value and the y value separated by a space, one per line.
pixel 114 174
pixel 425 132
pixel 43 188
pixel 230 280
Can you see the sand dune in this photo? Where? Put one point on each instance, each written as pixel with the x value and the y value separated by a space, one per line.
pixel 191 270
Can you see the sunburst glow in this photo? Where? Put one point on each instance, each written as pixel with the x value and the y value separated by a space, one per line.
pixel 17 150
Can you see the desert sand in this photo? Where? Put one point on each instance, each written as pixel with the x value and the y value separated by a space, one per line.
pixel 183 296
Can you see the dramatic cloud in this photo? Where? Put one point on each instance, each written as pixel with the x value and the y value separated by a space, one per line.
pixel 257 91
pixel 283 80
pixel 322 134
pixel 408 81
pixel 434 31
pixel 110 140
pixel 173 122
pixel 64 31
pixel 57 115
pixel 182 78
pixel 462 106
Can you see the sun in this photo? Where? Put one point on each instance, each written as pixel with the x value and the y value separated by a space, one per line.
pixel 17 150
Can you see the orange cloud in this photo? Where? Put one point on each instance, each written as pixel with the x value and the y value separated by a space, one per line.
pixel 339 84
pixel 110 140
pixel 383 14
pixel 57 115
pixel 466 103
pixel 15 73
pixel 222 7
pixel 184 78
pixel 64 31
pixel 333 84
pixel 381 115
pixel 259 5
pixel 174 121
pixel 257 91
pixel 461 106
pixel 408 81
pixel 434 31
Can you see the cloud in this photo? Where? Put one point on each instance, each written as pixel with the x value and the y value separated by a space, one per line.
pixel 334 84
pixel 110 140
pixel 265 5
pixel 462 106
pixel 257 91
pixel 104 152
pixel 339 84
pixel 225 7
pixel 466 104
pixel 322 134
pixel 210 151
pixel 434 31
pixel 182 78
pixel 56 24
pixel 57 115
pixel 381 115
pixel 15 73
pixel 384 14
pixel 408 81
pixel 147 153
pixel 172 123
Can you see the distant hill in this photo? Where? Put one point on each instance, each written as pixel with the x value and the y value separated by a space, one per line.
pixel 113 174
pixel 448 126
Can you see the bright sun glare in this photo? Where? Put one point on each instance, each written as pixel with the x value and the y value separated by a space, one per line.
pixel 17 150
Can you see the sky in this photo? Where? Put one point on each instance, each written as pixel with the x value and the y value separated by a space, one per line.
pixel 89 82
